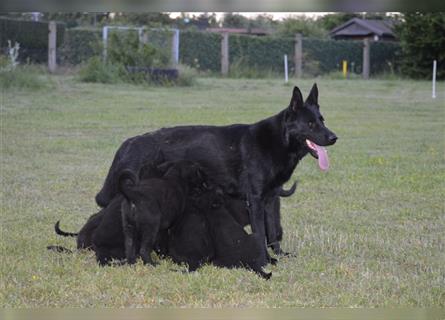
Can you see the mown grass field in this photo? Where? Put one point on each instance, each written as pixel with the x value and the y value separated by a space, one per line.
pixel 370 232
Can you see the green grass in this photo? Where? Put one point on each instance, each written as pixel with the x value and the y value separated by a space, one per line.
pixel 370 232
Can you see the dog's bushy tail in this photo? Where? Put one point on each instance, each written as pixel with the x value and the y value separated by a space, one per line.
pixel 127 180
pixel 287 193
pixel 63 233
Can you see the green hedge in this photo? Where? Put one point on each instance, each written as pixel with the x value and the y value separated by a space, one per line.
pixel 329 54
pixel 201 50
pixel 32 37
pixel 80 44
pixel 260 52
pixel 385 57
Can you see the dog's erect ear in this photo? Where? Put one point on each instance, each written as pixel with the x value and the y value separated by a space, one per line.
pixel 312 99
pixel 297 100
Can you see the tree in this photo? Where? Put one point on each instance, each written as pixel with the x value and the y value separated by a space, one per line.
pixel 151 19
pixel 308 27
pixel 422 39
pixel 234 20
pixel 331 21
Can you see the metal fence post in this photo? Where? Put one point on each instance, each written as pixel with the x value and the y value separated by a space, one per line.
pixel 225 54
pixel 104 39
pixel 175 46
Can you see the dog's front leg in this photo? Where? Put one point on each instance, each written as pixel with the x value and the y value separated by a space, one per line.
pixel 256 215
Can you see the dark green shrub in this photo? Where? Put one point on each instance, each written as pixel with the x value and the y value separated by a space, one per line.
pixel 422 40
pixel 96 70
pixel 125 49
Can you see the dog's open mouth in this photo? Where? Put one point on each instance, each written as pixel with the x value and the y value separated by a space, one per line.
pixel 319 153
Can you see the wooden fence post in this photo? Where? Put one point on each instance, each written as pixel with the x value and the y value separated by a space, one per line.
pixel 225 54
pixel 52 38
pixel 298 58
pixel 366 58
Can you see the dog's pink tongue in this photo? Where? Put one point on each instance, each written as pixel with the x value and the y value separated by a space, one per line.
pixel 323 161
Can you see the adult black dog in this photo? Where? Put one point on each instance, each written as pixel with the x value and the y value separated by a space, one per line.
pixel 252 159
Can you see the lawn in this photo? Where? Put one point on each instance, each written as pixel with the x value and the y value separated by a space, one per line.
pixel 369 232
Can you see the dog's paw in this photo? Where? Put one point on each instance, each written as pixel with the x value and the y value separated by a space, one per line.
pixel 273 261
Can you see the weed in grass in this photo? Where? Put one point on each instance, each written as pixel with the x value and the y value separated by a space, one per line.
pixel 25 77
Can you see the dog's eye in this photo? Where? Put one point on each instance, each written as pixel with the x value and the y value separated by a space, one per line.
pixel 311 124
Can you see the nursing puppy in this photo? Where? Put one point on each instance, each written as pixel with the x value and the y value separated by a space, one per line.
pixel 102 233
pixel 152 205
pixel 84 236
pixel 211 230
pixel 189 241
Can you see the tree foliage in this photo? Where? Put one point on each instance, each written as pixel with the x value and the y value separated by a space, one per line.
pixel 308 27
pixel 422 40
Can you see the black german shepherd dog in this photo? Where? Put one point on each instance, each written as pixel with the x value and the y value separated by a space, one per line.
pixel 248 159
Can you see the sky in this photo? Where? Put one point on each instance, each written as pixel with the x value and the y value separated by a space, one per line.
pixel 275 15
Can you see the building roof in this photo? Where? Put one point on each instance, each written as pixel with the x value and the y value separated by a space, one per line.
pixel 364 27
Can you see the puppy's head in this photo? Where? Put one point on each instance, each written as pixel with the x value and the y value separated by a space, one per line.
pixel 210 200
pixel 128 184
pixel 188 171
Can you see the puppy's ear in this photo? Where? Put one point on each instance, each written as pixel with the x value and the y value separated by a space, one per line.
pixel 297 100
pixel 312 99
pixel 160 158
pixel 201 174
pixel 163 168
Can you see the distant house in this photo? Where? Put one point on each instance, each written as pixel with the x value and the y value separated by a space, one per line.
pixel 250 31
pixel 357 29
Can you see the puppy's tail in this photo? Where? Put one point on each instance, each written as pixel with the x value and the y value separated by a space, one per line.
pixel 127 179
pixel 63 233
pixel 59 249
pixel 287 193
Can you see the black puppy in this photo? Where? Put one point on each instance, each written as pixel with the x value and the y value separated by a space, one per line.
pixel 234 247
pixel 189 241
pixel 84 236
pixel 154 204
pixel 211 230
pixel 102 233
